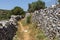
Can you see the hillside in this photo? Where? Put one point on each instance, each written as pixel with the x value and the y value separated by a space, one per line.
pixel 4 14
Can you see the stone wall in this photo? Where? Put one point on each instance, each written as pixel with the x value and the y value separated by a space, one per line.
pixel 49 21
pixel 8 28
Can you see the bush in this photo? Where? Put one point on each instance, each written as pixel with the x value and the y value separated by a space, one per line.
pixel 18 11
pixel 28 19
pixel 36 6
pixel 5 14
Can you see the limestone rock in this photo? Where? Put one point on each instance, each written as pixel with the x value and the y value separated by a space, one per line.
pixel 48 20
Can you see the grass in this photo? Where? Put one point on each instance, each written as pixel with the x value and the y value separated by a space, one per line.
pixel 23 22
pixel 35 32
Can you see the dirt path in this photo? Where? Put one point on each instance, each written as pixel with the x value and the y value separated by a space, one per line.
pixel 25 32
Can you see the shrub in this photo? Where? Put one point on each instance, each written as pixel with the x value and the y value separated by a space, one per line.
pixel 18 11
pixel 36 6
pixel 28 19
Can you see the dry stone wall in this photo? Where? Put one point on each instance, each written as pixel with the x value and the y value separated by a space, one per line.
pixel 8 28
pixel 49 21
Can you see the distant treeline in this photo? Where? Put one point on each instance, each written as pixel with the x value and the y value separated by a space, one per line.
pixel 5 14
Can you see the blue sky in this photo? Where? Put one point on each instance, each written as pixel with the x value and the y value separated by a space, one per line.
pixel 10 4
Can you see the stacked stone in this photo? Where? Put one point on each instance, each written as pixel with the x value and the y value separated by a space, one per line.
pixel 8 33
pixel 49 21
pixel 8 30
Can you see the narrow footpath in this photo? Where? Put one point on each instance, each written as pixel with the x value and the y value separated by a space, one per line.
pixel 24 30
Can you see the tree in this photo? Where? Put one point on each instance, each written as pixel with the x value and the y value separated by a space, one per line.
pixel 59 1
pixel 36 6
pixel 18 11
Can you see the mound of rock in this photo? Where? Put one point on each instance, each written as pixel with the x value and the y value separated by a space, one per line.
pixel 49 21
pixel 8 28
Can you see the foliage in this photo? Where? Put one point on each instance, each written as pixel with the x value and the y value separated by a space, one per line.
pixel 18 11
pixel 5 14
pixel 40 35
pixel 37 33
pixel 28 19
pixel 36 6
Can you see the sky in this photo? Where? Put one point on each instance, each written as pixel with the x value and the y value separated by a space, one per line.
pixel 10 4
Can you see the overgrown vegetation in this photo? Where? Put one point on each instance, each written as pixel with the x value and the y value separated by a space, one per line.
pixel 36 33
pixel 6 14
pixel 28 19
pixel 18 11
pixel 36 6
